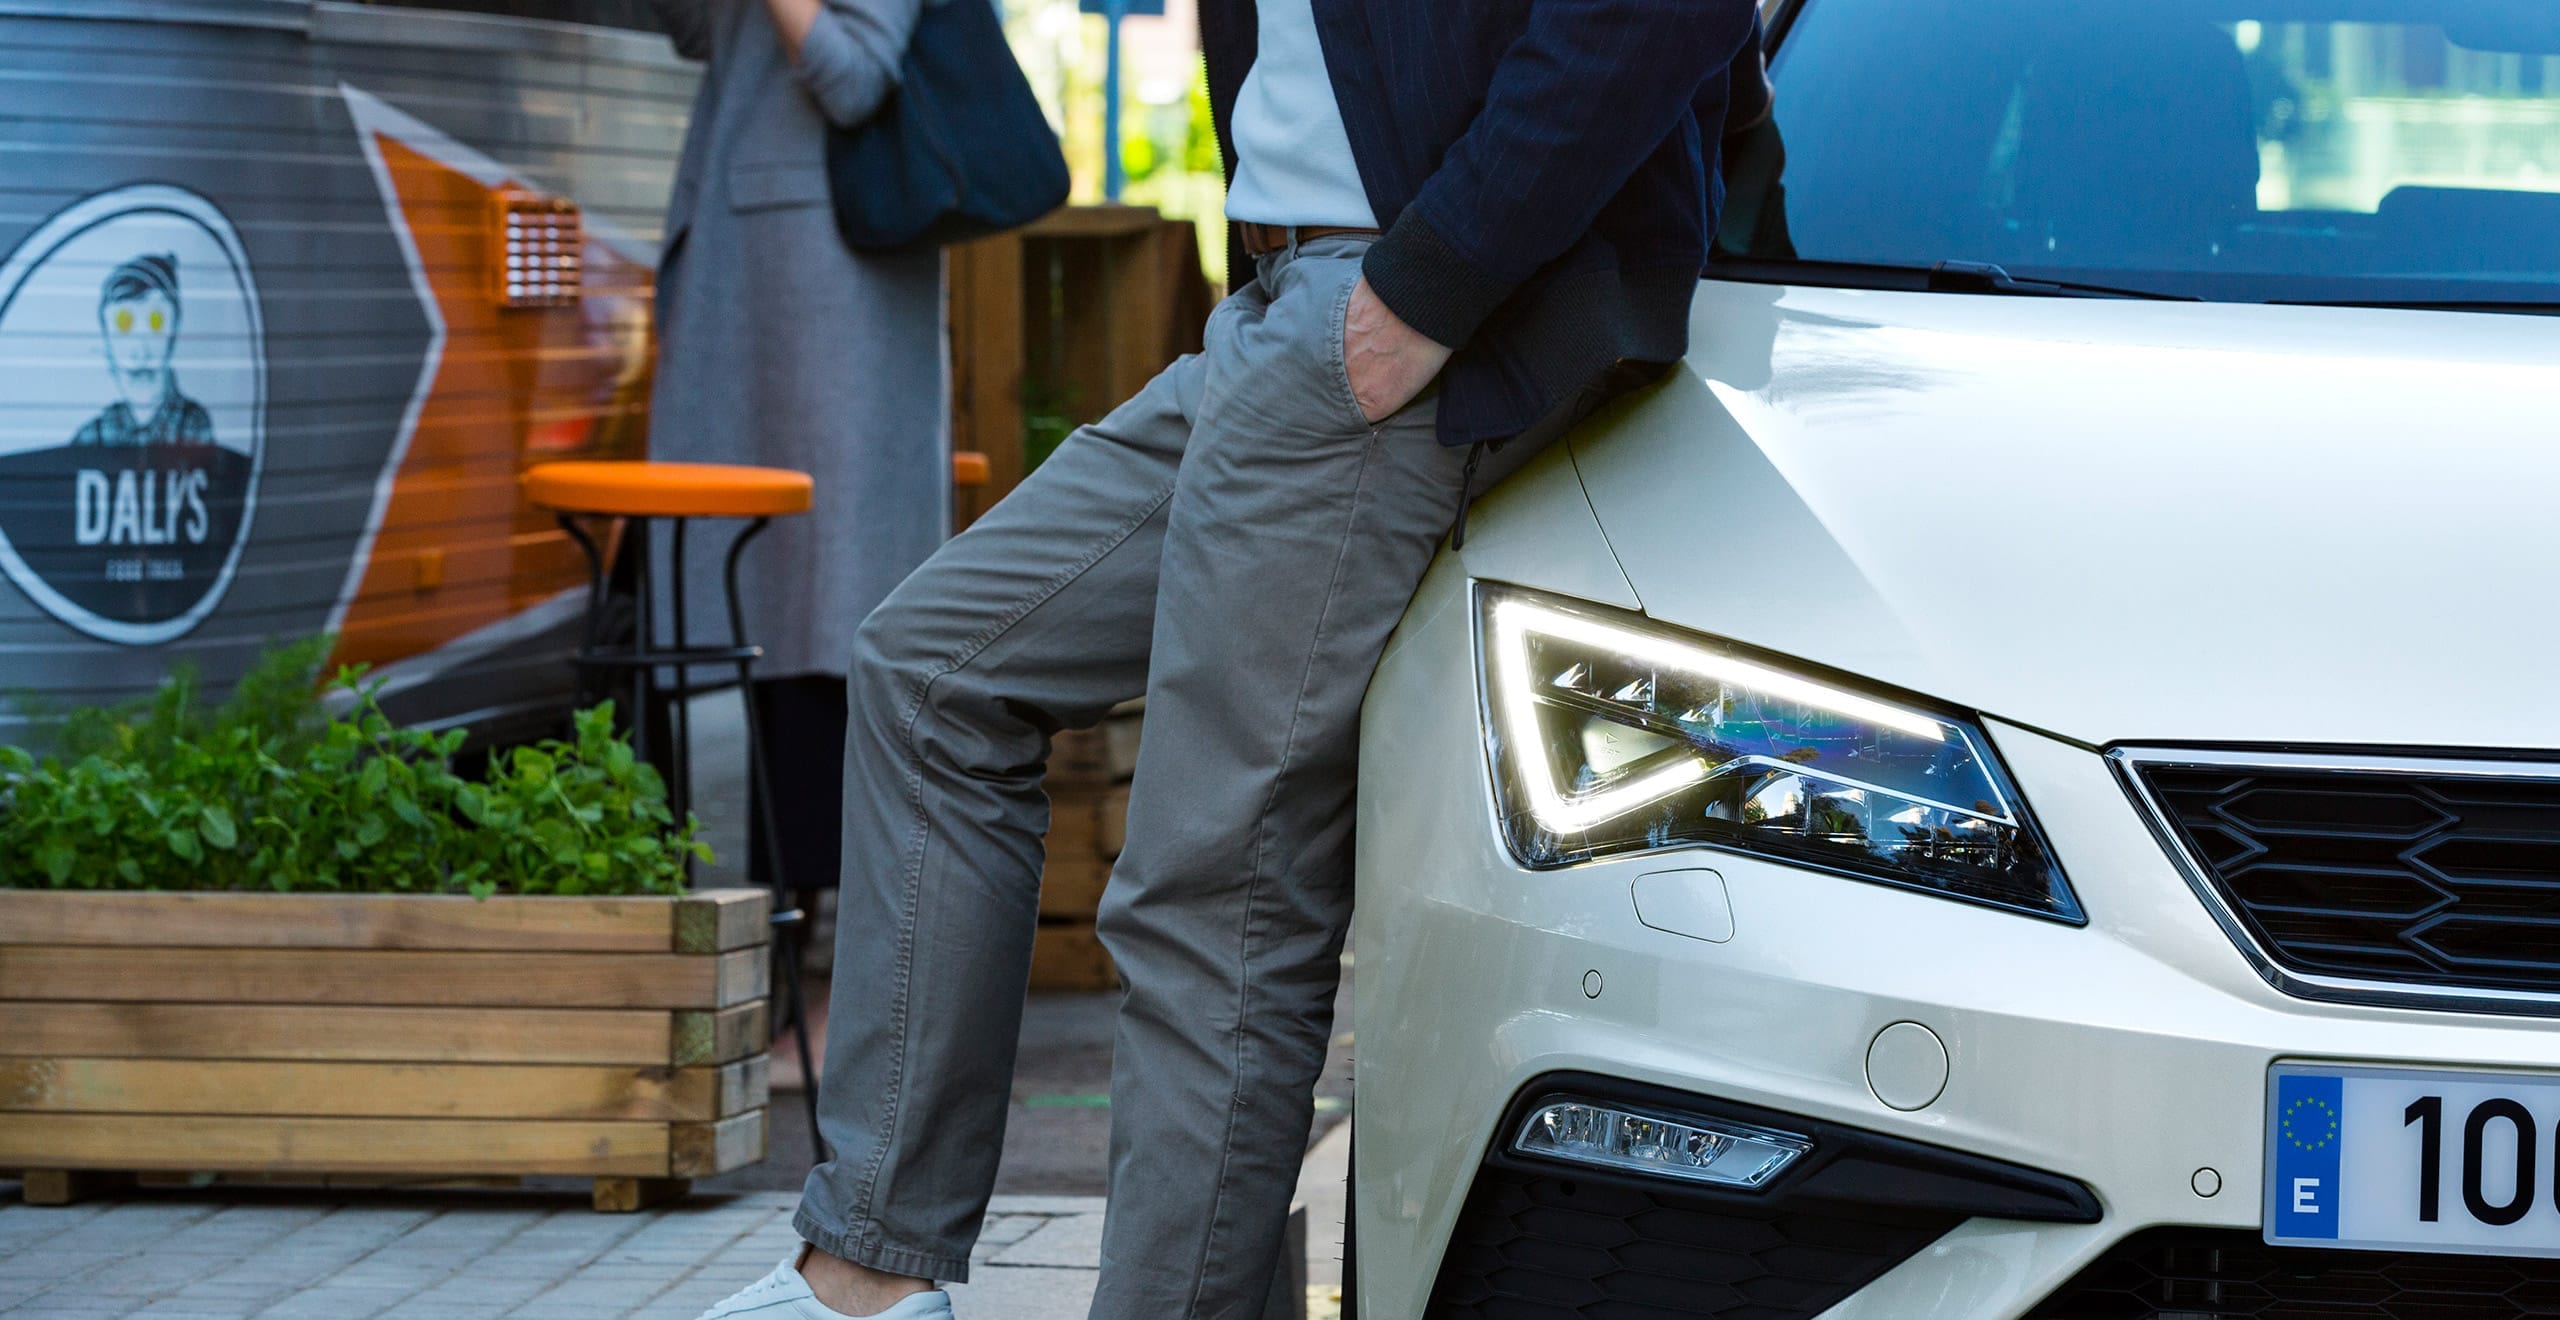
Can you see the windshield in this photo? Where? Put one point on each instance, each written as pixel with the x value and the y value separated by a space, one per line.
pixel 2256 150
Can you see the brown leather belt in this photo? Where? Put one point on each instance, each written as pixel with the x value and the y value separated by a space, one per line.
pixel 1263 240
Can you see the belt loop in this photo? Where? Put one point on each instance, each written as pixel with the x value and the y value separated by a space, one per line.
pixel 1293 243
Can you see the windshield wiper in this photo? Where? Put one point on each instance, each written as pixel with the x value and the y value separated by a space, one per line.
pixel 1944 277
pixel 1985 277
pixel 2515 308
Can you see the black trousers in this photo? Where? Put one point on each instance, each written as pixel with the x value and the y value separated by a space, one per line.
pixel 804 719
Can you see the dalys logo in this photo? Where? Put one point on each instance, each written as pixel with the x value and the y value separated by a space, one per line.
pixel 132 412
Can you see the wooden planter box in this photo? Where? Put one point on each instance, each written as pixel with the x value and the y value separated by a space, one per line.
pixel 331 1036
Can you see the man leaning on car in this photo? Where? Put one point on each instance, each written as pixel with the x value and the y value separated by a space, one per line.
pixel 1466 225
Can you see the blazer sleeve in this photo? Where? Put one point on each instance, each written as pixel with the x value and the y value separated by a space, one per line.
pixel 1586 93
pixel 688 24
pixel 849 61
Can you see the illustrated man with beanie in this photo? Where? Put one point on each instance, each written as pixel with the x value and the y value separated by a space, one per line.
pixel 138 318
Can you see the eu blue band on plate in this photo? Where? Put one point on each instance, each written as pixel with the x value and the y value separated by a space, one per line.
pixel 2309 1124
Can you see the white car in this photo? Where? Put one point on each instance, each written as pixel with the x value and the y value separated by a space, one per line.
pixel 2023 779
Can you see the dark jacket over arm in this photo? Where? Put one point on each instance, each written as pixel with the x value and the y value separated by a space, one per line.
pixel 1589 92
pixel 1546 173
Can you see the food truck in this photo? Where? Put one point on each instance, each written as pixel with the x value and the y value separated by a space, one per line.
pixel 291 291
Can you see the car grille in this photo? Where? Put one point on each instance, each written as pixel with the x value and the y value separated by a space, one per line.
pixel 1540 1246
pixel 2217 1274
pixel 2401 875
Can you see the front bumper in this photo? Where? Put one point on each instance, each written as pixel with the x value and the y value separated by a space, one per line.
pixel 2130 1055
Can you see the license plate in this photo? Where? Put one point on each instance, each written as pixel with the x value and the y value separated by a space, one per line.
pixel 2413 1160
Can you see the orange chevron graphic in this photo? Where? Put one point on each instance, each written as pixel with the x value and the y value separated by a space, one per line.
pixel 455 547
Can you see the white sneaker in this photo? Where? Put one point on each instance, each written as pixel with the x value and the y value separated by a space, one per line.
pixel 784 1295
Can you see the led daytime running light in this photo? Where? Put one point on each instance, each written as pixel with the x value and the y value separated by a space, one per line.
pixel 1515 618
pixel 1611 735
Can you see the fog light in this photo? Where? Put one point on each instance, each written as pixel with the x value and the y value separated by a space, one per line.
pixel 1693 1149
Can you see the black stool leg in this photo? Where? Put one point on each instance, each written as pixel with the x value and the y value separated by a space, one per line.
pixel 791 925
pixel 596 605
pixel 644 677
pixel 679 711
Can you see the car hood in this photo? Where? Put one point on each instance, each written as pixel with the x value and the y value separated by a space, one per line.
pixel 2113 521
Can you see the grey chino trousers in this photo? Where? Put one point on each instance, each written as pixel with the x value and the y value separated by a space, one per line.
pixel 1236 543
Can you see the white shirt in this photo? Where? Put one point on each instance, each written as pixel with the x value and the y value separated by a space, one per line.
pixel 1293 159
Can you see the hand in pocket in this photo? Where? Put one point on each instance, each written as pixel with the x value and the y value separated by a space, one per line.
pixel 1388 362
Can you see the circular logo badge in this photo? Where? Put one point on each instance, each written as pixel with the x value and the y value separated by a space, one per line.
pixel 133 362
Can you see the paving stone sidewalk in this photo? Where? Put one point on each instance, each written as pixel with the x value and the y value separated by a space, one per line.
pixel 311 1257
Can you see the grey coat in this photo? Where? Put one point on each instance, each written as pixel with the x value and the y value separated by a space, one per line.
pixel 777 345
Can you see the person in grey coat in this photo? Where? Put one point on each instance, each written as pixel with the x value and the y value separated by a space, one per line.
pixel 778 345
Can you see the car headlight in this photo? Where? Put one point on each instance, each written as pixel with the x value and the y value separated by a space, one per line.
pixel 1611 734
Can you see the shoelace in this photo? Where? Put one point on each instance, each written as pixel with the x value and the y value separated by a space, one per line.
pixel 782 1279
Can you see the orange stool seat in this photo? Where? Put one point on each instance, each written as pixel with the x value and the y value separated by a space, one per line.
pixel 668 490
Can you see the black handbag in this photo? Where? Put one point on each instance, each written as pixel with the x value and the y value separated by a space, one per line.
pixel 957 151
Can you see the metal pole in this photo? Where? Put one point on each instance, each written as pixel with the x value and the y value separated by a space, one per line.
pixel 1114 175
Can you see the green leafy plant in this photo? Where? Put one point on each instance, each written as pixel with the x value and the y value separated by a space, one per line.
pixel 279 698
pixel 271 791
